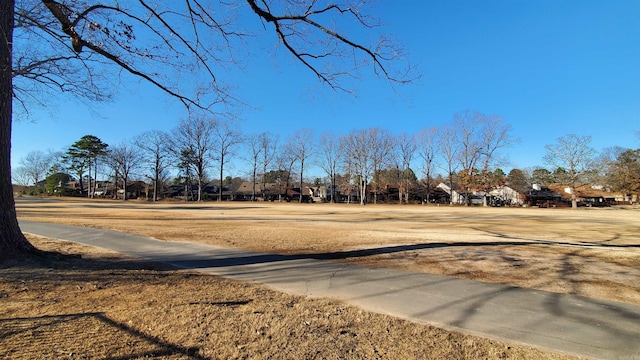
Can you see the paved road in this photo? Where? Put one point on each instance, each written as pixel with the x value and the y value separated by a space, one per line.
pixel 564 323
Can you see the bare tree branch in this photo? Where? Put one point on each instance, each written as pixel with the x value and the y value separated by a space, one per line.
pixel 198 40
pixel 375 54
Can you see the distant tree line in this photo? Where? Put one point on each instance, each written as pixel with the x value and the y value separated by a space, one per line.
pixel 467 153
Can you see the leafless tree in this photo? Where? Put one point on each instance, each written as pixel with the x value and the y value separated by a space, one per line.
pixel 330 158
pixel 495 136
pixel 269 152
pixel 156 155
pixel 358 148
pixel 59 43
pixel 382 146
pixel 448 145
pixel 405 146
pixel 194 136
pixel 348 181
pixel 604 164
pixel 286 160
pixel 254 144
pixel 574 154
pixel 479 139
pixel 125 159
pixel 467 125
pixel 427 146
pixel 36 164
pixel 226 136
pixel 84 47
pixel 20 176
pixel 301 145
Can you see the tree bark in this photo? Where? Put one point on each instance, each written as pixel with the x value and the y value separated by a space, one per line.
pixel 13 244
pixel 124 187
pixel 221 176
pixel 301 178
pixel 155 186
pixel 89 181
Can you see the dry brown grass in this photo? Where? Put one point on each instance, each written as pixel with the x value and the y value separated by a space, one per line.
pixel 104 305
pixel 589 252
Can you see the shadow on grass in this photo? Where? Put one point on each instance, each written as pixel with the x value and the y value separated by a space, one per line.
pixel 28 336
pixel 85 334
pixel 260 258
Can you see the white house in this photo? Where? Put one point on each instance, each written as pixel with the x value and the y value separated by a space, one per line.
pixel 456 198
pixel 507 194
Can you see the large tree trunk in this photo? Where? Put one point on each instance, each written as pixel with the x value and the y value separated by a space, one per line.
pixel 124 187
pixel 333 187
pixel 155 187
pixel 12 243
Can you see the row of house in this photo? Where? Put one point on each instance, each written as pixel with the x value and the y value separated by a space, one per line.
pixel 243 191
pixel 549 196
pixel 537 195
pixel 541 196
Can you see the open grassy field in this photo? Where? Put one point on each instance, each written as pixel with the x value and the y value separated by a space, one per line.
pixel 106 305
pixel 590 252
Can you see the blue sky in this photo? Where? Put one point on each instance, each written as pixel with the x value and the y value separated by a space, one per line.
pixel 548 67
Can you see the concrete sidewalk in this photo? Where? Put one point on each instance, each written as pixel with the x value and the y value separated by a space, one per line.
pixel 564 323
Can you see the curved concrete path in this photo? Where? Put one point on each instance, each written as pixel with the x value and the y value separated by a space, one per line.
pixel 564 323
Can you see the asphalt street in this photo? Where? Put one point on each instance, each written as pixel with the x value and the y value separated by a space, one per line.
pixel 571 324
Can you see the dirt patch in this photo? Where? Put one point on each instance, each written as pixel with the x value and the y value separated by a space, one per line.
pixel 100 304
pixel 588 252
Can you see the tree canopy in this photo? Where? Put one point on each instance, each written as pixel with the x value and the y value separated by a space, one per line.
pixel 572 155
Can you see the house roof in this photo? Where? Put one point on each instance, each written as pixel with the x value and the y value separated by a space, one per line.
pixel 582 191
pixel 246 187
